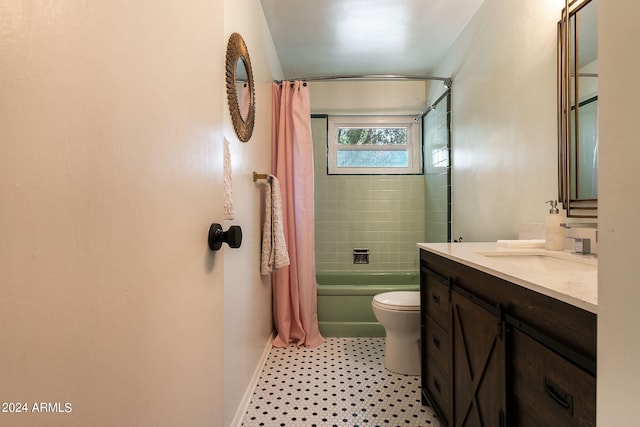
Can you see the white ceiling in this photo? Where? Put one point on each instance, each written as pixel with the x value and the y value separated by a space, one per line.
pixel 355 37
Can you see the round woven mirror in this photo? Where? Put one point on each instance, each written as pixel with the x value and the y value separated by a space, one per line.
pixel 240 88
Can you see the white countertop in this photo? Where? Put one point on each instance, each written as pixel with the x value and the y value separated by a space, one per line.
pixel 575 282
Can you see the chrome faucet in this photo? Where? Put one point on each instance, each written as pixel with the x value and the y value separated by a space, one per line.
pixel 583 245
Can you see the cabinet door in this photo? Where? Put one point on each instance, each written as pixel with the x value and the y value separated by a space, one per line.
pixel 549 390
pixel 479 390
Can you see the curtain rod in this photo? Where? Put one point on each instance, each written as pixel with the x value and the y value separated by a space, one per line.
pixel 446 80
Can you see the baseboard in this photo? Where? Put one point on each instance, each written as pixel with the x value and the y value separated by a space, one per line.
pixel 246 399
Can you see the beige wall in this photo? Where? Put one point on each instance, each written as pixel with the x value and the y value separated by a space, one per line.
pixel 112 117
pixel 503 118
pixel 619 180
pixel 367 97
pixel 247 295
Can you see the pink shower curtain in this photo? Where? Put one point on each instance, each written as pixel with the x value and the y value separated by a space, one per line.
pixel 295 303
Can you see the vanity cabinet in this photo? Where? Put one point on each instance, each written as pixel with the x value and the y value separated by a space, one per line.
pixel 497 354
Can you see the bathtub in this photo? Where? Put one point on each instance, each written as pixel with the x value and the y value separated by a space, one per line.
pixel 344 300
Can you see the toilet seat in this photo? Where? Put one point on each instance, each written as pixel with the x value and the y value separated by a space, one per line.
pixel 398 300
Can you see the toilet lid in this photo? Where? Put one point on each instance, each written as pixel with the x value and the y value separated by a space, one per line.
pixel 400 300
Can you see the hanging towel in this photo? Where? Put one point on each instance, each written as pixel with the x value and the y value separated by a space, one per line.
pixel 274 248
pixel 228 202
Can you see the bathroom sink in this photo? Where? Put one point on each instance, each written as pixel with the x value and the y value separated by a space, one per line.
pixel 546 261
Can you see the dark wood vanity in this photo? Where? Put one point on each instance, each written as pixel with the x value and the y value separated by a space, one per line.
pixel 495 353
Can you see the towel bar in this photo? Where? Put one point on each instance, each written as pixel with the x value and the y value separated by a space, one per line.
pixel 257 176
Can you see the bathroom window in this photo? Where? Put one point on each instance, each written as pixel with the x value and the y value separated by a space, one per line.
pixel 376 145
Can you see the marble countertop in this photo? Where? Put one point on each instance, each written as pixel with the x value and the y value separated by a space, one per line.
pixel 563 275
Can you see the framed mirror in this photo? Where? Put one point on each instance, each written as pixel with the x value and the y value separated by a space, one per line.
pixel 578 108
pixel 240 87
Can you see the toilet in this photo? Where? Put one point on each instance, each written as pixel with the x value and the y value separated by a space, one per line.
pixel 399 314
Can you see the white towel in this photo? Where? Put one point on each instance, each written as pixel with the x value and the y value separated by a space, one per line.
pixel 274 248
pixel 228 202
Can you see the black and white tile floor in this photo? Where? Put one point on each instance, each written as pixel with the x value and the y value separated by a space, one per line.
pixel 340 383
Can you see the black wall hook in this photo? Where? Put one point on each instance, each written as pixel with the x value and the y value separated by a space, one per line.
pixel 232 237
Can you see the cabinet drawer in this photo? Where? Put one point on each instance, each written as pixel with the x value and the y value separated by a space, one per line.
pixel 436 300
pixel 437 384
pixel 438 345
pixel 549 390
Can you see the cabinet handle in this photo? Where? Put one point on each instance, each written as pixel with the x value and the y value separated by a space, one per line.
pixel 436 298
pixel 436 384
pixel 436 341
pixel 561 397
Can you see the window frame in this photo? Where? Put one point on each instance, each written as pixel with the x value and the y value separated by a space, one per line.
pixel 413 146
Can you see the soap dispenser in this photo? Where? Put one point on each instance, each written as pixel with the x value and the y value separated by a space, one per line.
pixel 554 233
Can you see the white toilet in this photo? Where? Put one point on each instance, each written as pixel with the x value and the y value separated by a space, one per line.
pixel 399 313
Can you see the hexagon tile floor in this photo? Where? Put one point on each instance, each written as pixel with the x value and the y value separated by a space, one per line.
pixel 340 383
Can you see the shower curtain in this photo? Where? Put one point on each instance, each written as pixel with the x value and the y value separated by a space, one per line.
pixel 295 306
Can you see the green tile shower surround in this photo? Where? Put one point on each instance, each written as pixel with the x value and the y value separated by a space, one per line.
pixel 383 213
pixel 344 300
